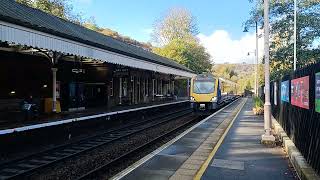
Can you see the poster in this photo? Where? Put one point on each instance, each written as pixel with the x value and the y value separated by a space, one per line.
pixel 300 92
pixel 317 89
pixel 275 89
pixel 285 91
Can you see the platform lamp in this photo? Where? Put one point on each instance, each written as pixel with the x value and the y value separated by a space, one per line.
pixel 256 54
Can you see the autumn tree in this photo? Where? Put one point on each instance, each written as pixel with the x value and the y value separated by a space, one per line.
pixel 91 24
pixel 176 35
pixel 281 44
pixel 63 9
pixel 178 23
pixel 188 53
pixel 59 8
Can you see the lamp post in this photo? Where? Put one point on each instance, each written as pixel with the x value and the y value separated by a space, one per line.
pixel 256 55
pixel 267 137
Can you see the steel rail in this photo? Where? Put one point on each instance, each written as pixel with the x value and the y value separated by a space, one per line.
pixel 23 167
pixel 95 173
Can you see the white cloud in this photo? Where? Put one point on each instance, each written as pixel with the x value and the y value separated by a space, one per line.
pixel 224 49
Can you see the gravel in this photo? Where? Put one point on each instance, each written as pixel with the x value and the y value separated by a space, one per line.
pixel 79 165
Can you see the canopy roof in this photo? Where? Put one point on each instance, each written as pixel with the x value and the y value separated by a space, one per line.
pixel 27 26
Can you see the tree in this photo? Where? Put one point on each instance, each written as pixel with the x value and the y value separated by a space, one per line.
pixel 59 8
pixel 188 53
pixel 178 23
pixel 176 34
pixel 91 24
pixel 281 22
pixel 64 10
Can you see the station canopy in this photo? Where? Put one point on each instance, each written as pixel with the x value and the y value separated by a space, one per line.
pixel 23 25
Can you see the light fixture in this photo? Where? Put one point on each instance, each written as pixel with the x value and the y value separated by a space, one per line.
pixel 45 85
pixel 12 92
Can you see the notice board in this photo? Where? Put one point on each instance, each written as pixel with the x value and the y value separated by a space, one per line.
pixel 285 91
pixel 317 90
pixel 300 92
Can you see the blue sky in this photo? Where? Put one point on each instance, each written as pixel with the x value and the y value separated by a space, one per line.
pixel 134 18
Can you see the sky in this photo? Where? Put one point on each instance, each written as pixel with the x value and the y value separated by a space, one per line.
pixel 220 23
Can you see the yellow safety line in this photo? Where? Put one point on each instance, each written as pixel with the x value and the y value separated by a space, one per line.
pixel 205 165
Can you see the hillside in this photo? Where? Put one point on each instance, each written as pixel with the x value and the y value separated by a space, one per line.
pixel 242 73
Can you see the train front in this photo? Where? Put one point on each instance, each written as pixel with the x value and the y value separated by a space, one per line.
pixel 203 93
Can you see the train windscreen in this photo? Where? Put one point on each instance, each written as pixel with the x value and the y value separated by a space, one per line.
pixel 203 86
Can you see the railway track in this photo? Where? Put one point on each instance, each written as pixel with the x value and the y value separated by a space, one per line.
pixel 100 171
pixel 21 168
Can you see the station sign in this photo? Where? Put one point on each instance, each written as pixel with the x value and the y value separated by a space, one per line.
pixel 300 92
pixel 317 90
pixel 121 71
pixel 285 91
pixel 78 71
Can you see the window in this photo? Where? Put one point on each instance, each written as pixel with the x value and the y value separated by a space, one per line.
pixel 111 87
pixel 203 86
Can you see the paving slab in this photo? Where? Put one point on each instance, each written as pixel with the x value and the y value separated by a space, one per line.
pixel 169 160
pixel 242 156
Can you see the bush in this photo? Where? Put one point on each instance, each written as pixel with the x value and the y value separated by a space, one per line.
pixel 258 103
pixel 258 106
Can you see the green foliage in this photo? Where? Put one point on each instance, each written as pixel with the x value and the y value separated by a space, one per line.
pixel 91 24
pixel 188 53
pixel 258 103
pixel 242 74
pixel 176 34
pixel 281 45
pixel 64 10
pixel 59 8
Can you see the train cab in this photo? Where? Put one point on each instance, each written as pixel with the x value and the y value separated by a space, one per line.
pixel 204 92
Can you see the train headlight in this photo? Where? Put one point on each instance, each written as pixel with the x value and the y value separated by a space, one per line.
pixel 192 99
pixel 214 99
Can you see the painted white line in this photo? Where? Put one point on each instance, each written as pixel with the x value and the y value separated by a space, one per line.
pixel 41 125
pixel 157 151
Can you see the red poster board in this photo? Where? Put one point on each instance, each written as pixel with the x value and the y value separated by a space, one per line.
pixel 300 92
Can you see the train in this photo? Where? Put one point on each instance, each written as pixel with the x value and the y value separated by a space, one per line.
pixel 209 93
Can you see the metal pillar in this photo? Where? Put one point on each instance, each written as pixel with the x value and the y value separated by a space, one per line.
pixel 120 91
pixel 153 89
pixel 267 138
pixel 188 88
pixel 54 89
pixel 173 87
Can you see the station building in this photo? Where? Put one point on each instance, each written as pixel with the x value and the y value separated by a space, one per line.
pixel 67 67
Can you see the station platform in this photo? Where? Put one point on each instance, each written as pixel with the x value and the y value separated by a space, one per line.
pixel 225 145
pixel 68 117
